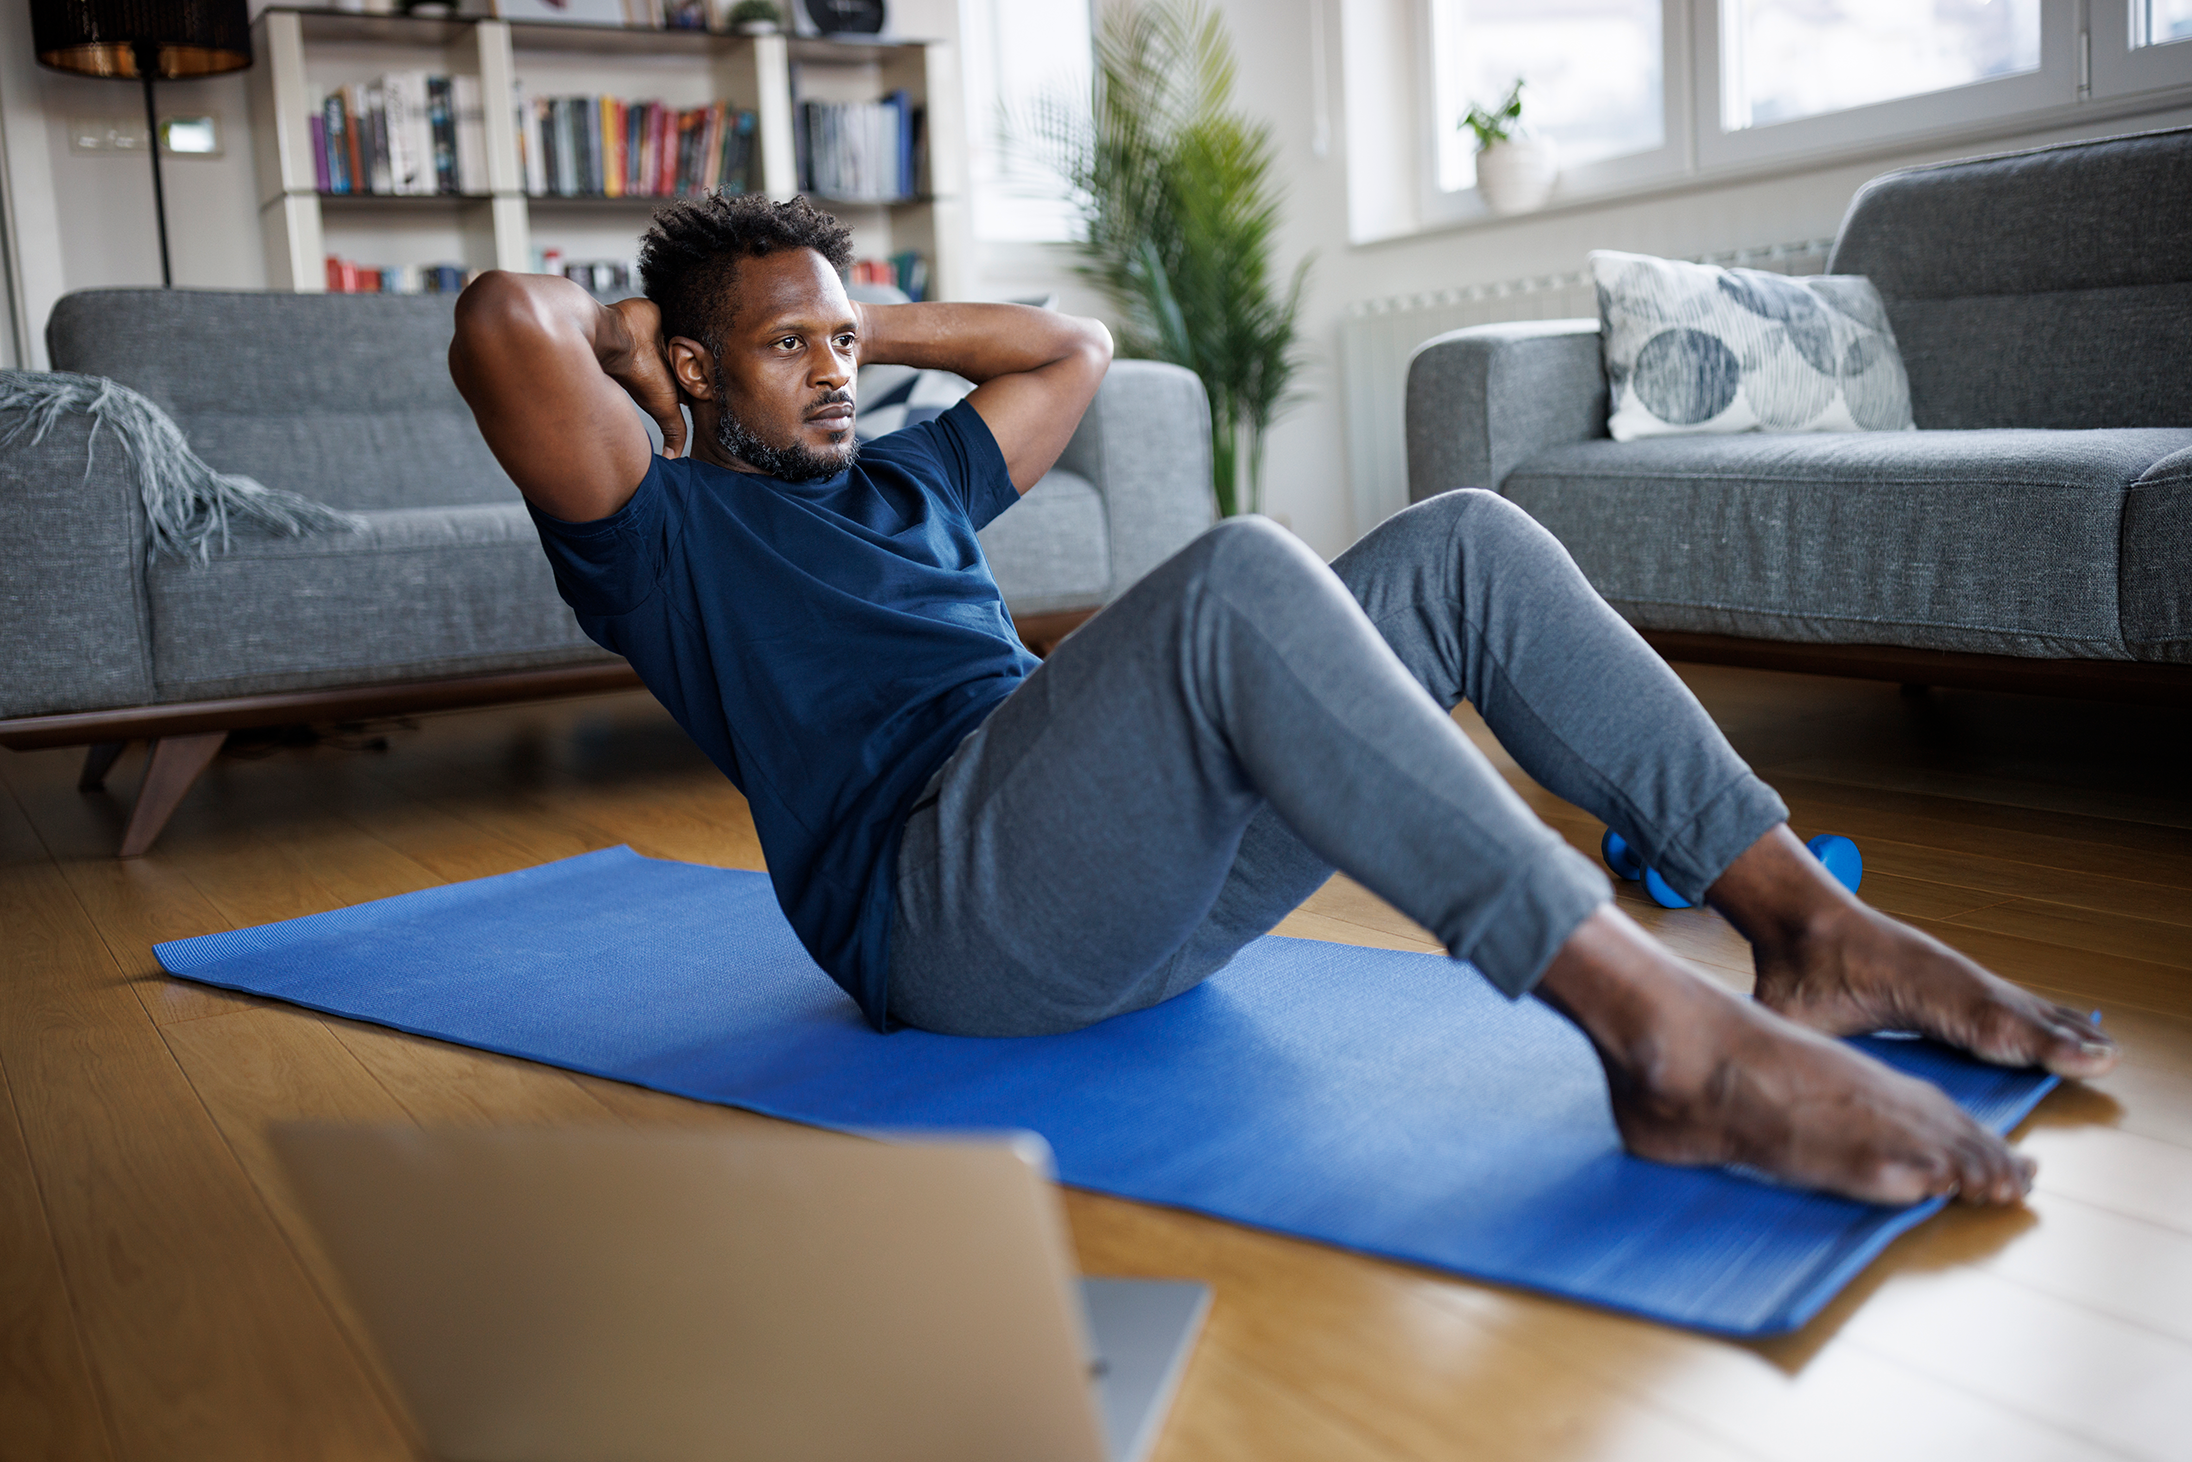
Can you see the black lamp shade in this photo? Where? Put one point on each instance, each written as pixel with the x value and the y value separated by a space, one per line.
pixel 104 37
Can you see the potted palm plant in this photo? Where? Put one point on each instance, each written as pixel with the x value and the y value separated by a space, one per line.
pixel 1515 171
pixel 1179 209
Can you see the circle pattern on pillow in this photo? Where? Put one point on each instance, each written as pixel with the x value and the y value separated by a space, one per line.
pixel 1686 376
pixel 1697 348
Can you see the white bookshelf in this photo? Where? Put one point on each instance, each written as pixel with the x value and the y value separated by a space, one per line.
pixel 305 53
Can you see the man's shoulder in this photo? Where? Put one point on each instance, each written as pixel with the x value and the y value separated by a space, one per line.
pixel 954 445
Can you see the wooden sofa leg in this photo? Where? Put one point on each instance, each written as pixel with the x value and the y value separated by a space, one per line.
pixel 176 763
pixel 98 761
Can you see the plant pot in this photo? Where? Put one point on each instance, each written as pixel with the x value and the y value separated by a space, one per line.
pixel 756 27
pixel 1517 175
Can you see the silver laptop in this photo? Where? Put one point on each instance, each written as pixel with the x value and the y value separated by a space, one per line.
pixel 582 1295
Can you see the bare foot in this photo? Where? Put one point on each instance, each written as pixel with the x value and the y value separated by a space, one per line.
pixel 1828 962
pixel 1699 1077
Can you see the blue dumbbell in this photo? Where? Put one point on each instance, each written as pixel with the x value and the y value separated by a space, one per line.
pixel 1841 857
pixel 1837 853
pixel 1622 859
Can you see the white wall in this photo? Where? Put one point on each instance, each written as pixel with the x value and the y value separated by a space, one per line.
pixel 83 221
pixel 108 234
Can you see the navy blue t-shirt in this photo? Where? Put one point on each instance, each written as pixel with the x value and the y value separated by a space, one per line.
pixel 826 643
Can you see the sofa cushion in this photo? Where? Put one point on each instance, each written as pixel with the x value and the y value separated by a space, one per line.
pixel 1999 542
pixel 2157 562
pixel 420 592
pixel 1050 550
pixel 344 398
pixel 2049 288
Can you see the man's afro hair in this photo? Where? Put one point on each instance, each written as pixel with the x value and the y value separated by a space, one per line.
pixel 689 257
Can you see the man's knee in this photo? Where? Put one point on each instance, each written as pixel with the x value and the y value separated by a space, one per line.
pixel 1474 515
pixel 1252 550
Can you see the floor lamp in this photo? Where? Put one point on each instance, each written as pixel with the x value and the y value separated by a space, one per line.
pixel 144 40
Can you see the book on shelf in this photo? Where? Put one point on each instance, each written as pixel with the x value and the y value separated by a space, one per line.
pixel 607 280
pixel 860 152
pixel 605 147
pixel 906 270
pixel 347 276
pixel 406 133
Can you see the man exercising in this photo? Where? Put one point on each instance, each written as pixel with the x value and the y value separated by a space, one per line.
pixel 972 841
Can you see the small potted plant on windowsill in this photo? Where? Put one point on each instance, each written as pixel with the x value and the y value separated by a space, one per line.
pixel 1515 172
pixel 754 18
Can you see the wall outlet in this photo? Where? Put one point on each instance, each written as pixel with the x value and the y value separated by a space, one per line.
pixel 106 134
pixel 180 136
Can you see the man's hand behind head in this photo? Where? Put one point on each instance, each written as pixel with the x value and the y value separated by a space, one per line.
pixel 643 370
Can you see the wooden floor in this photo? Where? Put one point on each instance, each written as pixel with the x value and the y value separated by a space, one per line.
pixel 160 1298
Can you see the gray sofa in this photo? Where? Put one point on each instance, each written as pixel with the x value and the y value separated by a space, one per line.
pixel 444 599
pixel 2034 533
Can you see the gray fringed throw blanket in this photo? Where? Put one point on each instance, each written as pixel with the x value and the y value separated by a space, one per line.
pixel 187 503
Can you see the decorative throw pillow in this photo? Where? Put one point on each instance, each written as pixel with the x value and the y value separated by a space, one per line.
pixel 1696 348
pixel 894 396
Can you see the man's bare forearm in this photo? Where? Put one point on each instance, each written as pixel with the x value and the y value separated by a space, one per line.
pixel 978 341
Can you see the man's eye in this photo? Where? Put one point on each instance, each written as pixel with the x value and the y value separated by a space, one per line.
pixel 789 342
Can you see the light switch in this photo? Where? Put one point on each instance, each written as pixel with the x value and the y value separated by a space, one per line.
pixel 191 136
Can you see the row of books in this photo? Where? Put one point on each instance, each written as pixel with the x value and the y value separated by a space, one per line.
pixel 604 279
pixel 601 147
pixel 347 276
pixel 860 152
pixel 407 132
pixel 607 279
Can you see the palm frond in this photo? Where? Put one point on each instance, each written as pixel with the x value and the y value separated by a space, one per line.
pixel 1180 212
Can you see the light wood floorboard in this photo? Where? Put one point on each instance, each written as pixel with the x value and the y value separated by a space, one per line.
pixel 161 1295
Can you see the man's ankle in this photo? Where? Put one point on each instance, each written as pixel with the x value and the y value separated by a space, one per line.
pixel 1779 897
pixel 1627 995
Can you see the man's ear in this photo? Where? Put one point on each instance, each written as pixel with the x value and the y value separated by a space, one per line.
pixel 692 366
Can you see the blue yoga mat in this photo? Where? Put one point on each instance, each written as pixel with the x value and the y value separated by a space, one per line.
pixel 1382 1101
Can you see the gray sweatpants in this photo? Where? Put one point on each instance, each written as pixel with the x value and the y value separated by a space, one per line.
pixel 1198 758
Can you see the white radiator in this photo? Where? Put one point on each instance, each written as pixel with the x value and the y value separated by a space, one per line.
pixel 1377 338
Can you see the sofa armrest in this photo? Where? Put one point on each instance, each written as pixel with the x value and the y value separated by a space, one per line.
pixel 1145 444
pixel 72 581
pixel 1481 401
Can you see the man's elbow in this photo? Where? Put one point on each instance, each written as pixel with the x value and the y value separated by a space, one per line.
pixel 1088 352
pixel 1095 341
pixel 501 309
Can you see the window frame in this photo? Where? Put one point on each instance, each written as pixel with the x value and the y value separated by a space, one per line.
pixel 1667 163
pixel 2052 85
pixel 2115 68
pixel 2088 72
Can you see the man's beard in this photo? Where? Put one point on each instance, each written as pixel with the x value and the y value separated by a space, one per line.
pixel 795 463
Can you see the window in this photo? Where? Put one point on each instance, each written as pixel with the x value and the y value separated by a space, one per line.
pixel 1601 80
pixel 1784 59
pixel 1640 93
pixel 2159 22
pixel 1017 52
pixel 1595 84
